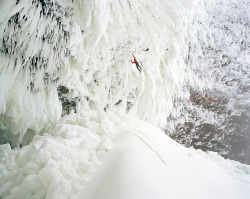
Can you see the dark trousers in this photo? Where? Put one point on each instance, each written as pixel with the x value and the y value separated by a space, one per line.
pixel 138 66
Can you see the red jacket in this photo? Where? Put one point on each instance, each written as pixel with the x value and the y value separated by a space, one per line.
pixel 135 61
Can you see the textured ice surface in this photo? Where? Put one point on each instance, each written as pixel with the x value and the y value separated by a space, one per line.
pixel 86 47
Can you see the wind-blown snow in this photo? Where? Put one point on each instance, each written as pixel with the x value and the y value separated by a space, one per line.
pixel 73 59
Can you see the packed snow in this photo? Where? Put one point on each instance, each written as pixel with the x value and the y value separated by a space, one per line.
pixel 78 120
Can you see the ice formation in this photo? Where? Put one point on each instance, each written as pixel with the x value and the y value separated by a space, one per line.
pixel 92 47
pixel 72 59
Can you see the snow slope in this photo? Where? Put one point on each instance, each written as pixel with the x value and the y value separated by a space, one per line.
pixel 144 163
pixel 73 59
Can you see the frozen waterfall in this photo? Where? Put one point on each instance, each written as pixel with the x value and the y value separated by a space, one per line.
pixel 76 116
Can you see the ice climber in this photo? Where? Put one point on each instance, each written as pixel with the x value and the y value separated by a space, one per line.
pixel 136 63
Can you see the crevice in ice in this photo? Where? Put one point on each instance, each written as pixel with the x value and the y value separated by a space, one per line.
pixel 150 147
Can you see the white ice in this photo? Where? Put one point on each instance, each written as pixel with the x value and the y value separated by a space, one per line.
pixel 106 149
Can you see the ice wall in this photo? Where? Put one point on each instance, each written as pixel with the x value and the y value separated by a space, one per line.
pixel 86 47
pixel 35 55
pixel 155 34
